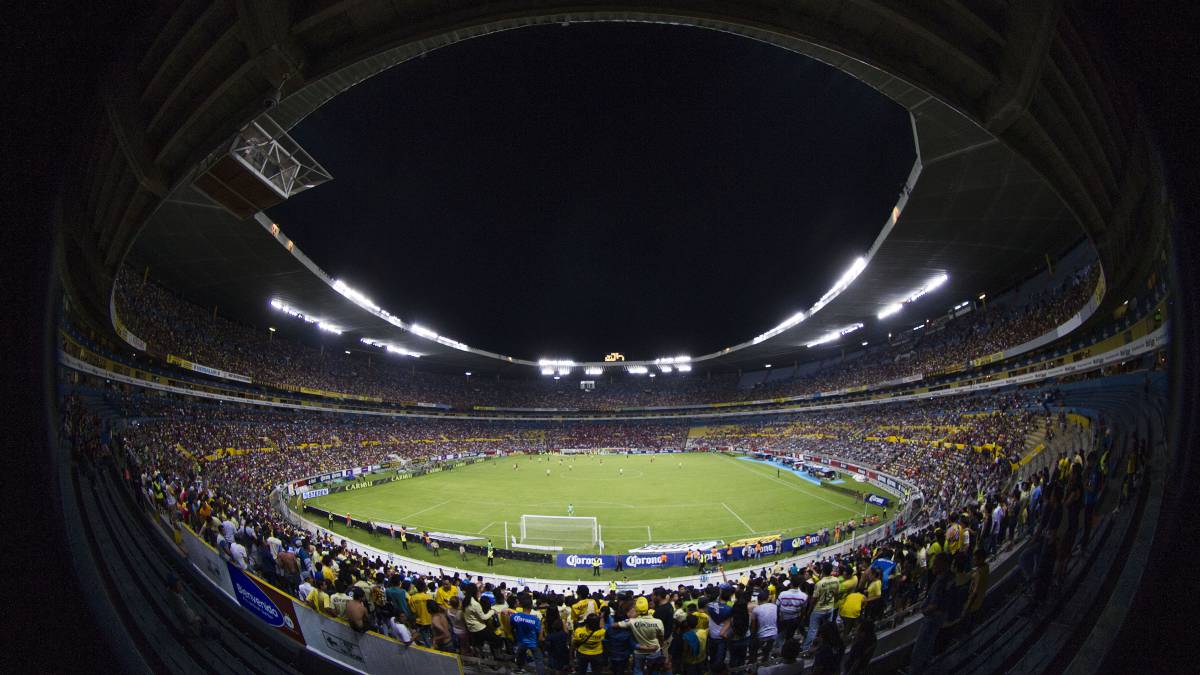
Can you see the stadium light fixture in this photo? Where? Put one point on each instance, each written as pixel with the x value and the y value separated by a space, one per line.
pixel 897 306
pixel 347 351
pixel 557 377
pixel 684 367
pixel 390 348
pixel 767 366
pixel 929 286
pixel 638 370
pixel 889 310
pixel 330 328
pixel 651 374
pixel 864 343
pixel 593 370
pixel 665 368
pixel 556 362
pixel 834 335
pixel 847 278
pixel 564 371
pixel 272 329
pixel 354 295
pixel 468 373
pixel 442 339
pixel 983 296
pixel 423 332
pixel 547 371
pixel 918 327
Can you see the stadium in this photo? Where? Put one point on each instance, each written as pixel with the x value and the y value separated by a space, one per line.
pixel 677 337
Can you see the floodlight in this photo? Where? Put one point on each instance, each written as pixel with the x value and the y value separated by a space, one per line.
pixel 347 351
pixel 983 296
pixel 468 373
pixel 932 284
pixel 767 366
pixel 845 280
pixel 651 374
pixel 638 370
pixel 547 371
pixel 665 368
pixel 593 371
pixel 423 332
pixel 355 296
pixel 890 310
pixel 864 343
pixel 272 329
pixel 834 334
pixel 683 368
pixel 451 343
pixel 393 349
pixel 564 371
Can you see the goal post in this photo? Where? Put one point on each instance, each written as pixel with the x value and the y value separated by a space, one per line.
pixel 579 530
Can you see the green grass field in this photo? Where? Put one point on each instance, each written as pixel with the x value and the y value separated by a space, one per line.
pixel 658 498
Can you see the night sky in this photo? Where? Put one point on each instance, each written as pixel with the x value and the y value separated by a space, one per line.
pixel 571 191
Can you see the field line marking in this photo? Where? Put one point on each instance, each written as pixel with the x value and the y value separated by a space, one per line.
pixel 485 527
pixel 426 509
pixel 735 515
pixel 794 487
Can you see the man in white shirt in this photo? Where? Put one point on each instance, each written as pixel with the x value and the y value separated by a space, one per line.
pixel 238 553
pixel 791 604
pixel 764 621
pixel 305 588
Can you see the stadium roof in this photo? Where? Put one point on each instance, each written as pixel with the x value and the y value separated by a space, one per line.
pixel 973 210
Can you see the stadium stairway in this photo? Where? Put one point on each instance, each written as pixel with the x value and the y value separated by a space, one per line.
pixel 135 560
pixel 1051 634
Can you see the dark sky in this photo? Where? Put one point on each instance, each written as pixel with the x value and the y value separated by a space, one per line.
pixel 571 191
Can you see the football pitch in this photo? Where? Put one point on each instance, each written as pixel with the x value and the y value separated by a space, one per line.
pixel 636 499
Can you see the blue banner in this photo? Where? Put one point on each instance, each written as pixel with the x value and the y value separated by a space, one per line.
pixel 875 499
pixel 801 542
pixel 250 596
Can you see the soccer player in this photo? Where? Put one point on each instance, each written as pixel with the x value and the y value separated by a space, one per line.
pixel 570 509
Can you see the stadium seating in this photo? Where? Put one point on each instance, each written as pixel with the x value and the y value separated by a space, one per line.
pixel 182 453
pixel 171 325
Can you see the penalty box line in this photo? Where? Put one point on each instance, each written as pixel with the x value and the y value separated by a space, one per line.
pixel 735 515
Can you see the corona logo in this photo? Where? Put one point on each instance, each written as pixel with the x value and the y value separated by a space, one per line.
pixel 638 560
pixel 615 356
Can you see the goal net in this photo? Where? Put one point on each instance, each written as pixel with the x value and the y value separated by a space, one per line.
pixel 560 530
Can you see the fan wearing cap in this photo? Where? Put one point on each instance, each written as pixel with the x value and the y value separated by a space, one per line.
pixel 648 634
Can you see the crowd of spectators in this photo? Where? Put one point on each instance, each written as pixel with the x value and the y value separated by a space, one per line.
pixel 818 618
pixel 175 326
pixel 821 617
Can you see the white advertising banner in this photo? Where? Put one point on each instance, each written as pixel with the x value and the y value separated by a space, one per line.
pixel 368 652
